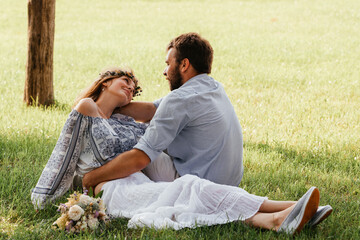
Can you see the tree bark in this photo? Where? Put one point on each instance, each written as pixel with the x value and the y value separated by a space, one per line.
pixel 39 88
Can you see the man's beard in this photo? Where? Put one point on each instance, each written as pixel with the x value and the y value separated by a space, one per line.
pixel 176 80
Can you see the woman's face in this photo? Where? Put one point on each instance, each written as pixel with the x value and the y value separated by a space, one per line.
pixel 122 87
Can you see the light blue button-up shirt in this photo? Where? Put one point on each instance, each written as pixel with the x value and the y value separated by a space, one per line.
pixel 198 126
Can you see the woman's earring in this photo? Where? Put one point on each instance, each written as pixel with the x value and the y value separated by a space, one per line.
pixel 103 89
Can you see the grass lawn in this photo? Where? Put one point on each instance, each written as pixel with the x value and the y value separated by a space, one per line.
pixel 290 68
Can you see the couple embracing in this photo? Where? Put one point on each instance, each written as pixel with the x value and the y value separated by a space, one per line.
pixel 175 162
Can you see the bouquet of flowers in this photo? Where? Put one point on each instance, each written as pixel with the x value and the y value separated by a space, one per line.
pixel 81 213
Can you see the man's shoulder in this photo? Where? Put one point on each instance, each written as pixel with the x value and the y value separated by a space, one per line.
pixel 180 94
pixel 202 84
pixel 195 92
pixel 179 98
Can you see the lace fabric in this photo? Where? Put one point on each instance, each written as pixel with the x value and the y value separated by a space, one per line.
pixel 188 201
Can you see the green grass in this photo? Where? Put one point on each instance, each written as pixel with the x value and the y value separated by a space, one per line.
pixel 290 68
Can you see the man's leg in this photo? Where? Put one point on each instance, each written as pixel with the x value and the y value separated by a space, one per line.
pixel 161 169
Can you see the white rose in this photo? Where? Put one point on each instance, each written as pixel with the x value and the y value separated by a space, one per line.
pixel 75 212
pixel 93 223
pixel 83 227
pixel 85 199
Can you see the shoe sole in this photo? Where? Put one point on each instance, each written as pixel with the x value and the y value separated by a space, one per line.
pixel 310 209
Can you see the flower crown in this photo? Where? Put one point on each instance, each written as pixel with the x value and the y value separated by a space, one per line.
pixel 120 73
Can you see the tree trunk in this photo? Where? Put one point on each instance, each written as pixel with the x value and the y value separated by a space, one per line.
pixel 39 68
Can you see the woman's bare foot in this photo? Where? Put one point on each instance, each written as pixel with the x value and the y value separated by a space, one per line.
pixel 279 217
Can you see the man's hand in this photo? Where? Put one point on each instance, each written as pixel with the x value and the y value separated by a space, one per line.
pixel 122 166
pixel 86 181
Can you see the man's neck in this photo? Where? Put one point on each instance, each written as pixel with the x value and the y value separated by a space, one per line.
pixel 189 75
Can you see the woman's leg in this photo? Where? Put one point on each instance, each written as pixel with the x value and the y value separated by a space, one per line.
pixel 271 219
pixel 270 206
pixel 304 209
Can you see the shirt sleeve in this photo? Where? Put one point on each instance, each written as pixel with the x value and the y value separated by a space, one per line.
pixel 170 118
pixel 157 102
pixel 58 173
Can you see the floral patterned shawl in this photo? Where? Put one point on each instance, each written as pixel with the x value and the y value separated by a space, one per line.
pixel 85 143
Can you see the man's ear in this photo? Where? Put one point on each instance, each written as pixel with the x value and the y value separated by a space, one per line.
pixel 184 65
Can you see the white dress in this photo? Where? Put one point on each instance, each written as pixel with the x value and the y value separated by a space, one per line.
pixel 89 142
pixel 187 202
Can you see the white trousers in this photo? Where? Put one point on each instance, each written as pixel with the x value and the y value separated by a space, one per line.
pixel 162 169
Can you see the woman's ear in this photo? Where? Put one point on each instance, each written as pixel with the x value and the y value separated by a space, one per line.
pixel 106 84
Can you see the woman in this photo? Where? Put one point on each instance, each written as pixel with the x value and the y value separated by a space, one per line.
pixel 93 136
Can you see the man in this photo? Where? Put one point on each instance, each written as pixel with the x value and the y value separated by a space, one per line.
pixel 195 123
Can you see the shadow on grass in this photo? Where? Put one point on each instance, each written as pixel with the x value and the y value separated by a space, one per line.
pixel 58 106
pixel 23 158
pixel 293 171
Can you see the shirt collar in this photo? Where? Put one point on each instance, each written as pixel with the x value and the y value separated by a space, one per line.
pixel 199 76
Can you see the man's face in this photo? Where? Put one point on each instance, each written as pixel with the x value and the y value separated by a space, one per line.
pixel 172 71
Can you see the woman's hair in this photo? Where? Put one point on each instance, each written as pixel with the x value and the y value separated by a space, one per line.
pixel 95 89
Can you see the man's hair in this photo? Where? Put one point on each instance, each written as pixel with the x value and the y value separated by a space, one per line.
pixel 195 48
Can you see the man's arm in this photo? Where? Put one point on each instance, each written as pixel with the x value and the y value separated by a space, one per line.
pixel 122 166
pixel 140 111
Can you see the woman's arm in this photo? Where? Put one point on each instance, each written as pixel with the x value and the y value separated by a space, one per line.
pixel 140 111
pixel 58 173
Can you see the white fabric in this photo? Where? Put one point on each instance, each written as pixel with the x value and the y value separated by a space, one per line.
pixel 186 202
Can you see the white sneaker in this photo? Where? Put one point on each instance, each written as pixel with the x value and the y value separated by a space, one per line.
pixel 320 215
pixel 304 209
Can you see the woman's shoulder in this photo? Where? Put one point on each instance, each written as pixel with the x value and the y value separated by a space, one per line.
pixel 87 107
